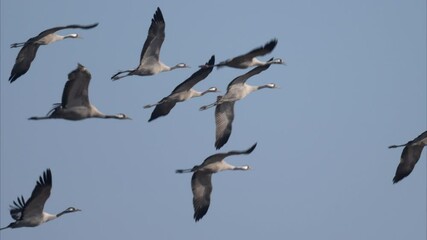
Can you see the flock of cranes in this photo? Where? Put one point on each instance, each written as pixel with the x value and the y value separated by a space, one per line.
pixel 75 105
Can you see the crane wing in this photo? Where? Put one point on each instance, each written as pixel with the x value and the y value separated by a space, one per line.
pixel 220 156
pixel 55 29
pixel 421 139
pixel 224 116
pixel 410 156
pixel 162 109
pixel 76 88
pixel 242 78
pixel 196 77
pixel 23 61
pixel 17 207
pixel 35 204
pixel 201 185
pixel 260 51
pixel 155 38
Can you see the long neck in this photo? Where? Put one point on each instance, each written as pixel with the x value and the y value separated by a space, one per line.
pixel 207 91
pixel 95 113
pixel 256 62
pixel 251 88
pixel 47 216
pixel 179 65
pixel 194 93
pixel 69 36
pixel 263 86
pixel 51 38
pixel 112 116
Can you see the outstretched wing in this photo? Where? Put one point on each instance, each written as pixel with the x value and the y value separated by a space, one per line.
pixel 421 139
pixel 17 207
pixel 55 29
pixel 196 77
pixel 35 204
pixel 410 156
pixel 23 61
pixel 220 156
pixel 155 38
pixel 76 88
pixel 247 57
pixel 162 109
pixel 224 116
pixel 260 51
pixel 242 78
pixel 201 185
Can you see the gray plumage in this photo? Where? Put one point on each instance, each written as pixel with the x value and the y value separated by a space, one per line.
pixel 75 103
pixel 30 213
pixel 150 63
pixel 238 89
pixel 29 48
pixel 410 155
pixel 224 112
pixel 201 183
pixel 249 59
pixel 182 92
pixel 224 116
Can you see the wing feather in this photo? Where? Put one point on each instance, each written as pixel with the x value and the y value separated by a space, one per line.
pixel 201 186
pixel 155 38
pixel 410 156
pixel 23 61
pixel 242 78
pixel 35 204
pixel 224 116
pixel 162 109
pixel 196 77
pixel 76 88
pixel 55 29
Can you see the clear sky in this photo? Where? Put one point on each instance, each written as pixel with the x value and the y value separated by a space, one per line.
pixel 355 83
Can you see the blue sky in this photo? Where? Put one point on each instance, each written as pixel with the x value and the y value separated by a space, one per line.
pixel 355 83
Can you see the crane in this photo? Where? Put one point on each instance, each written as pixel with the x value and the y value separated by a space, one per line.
pixel 224 111
pixel 201 181
pixel 30 213
pixel 182 92
pixel 249 59
pixel 150 63
pixel 29 48
pixel 75 103
pixel 410 155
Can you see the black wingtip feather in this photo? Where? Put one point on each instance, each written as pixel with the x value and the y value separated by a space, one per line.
pixel 158 16
pixel 200 213
pixel 271 45
pixel 221 142
pixel 251 148
pixel 211 61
